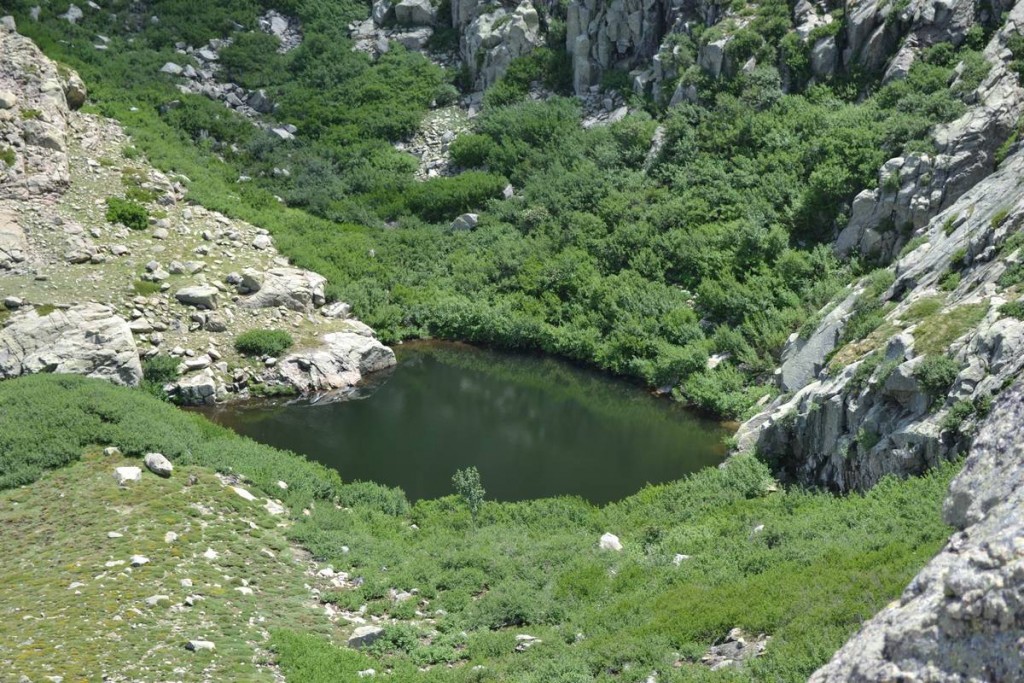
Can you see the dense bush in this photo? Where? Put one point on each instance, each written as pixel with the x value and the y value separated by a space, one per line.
pixel 603 245
pixel 263 342
pixel 128 213
pixel 936 375
pixel 818 567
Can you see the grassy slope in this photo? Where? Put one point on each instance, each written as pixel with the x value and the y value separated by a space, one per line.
pixel 819 566
pixel 71 605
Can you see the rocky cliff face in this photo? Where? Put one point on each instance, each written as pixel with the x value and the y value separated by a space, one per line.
pixel 868 408
pixel 962 617
pixel 35 99
pixel 860 403
pixel 913 189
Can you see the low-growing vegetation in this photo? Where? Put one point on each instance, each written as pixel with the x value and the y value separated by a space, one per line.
pixel 642 267
pixel 719 550
pixel 128 213
pixel 263 342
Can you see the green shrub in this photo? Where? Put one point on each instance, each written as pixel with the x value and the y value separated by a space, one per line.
pixel 954 419
pixel 950 281
pixel 999 217
pixel 912 244
pixel 7 156
pixel 442 199
pixel 1014 309
pixel 128 213
pixel 263 342
pixel 157 372
pixel 936 375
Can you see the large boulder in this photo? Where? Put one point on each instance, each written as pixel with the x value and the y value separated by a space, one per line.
pixel 200 296
pixel 339 363
pixel 293 288
pixel 962 617
pixel 84 340
pixel 35 123
pixel 415 13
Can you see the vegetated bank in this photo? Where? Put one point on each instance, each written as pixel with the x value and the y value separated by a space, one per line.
pixel 642 264
pixel 719 550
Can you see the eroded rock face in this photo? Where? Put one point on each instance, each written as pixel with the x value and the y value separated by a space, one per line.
pixel 340 362
pixel 83 340
pixel 13 245
pixel 33 118
pixel 962 617
pixel 493 37
pixel 913 189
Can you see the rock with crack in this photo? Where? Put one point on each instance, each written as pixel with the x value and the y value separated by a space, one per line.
pixel 340 362
pixel 35 124
pixel 84 340
pixel 293 288
pixel 962 617
pixel 13 244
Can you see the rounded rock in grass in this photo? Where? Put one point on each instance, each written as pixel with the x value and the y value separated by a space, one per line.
pixel 158 464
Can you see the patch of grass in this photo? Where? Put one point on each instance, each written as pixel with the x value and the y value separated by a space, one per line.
pixel 950 281
pixel 923 308
pixel 7 156
pixel 949 225
pixel 145 287
pixel 263 342
pixel 999 217
pixel 29 114
pixel 43 551
pixel 1014 309
pixel 934 335
pixel 913 244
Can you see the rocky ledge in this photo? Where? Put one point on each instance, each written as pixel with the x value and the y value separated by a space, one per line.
pixel 962 617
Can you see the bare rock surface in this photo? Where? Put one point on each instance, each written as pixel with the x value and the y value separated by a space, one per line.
pixel 86 340
pixel 34 109
pixel 962 617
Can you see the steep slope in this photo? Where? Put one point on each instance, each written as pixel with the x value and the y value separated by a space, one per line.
pixel 873 409
pixel 962 617
pixel 89 228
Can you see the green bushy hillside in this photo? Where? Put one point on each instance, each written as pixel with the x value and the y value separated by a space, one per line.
pixel 640 264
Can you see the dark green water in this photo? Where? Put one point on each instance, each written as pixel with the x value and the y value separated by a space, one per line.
pixel 534 427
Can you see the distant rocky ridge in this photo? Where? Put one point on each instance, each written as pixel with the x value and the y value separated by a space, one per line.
pixel 69 280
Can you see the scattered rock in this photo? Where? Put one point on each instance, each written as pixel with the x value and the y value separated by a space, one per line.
pixel 200 645
pixel 200 296
pixel 610 541
pixel 158 464
pixel 138 560
pixel 124 475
